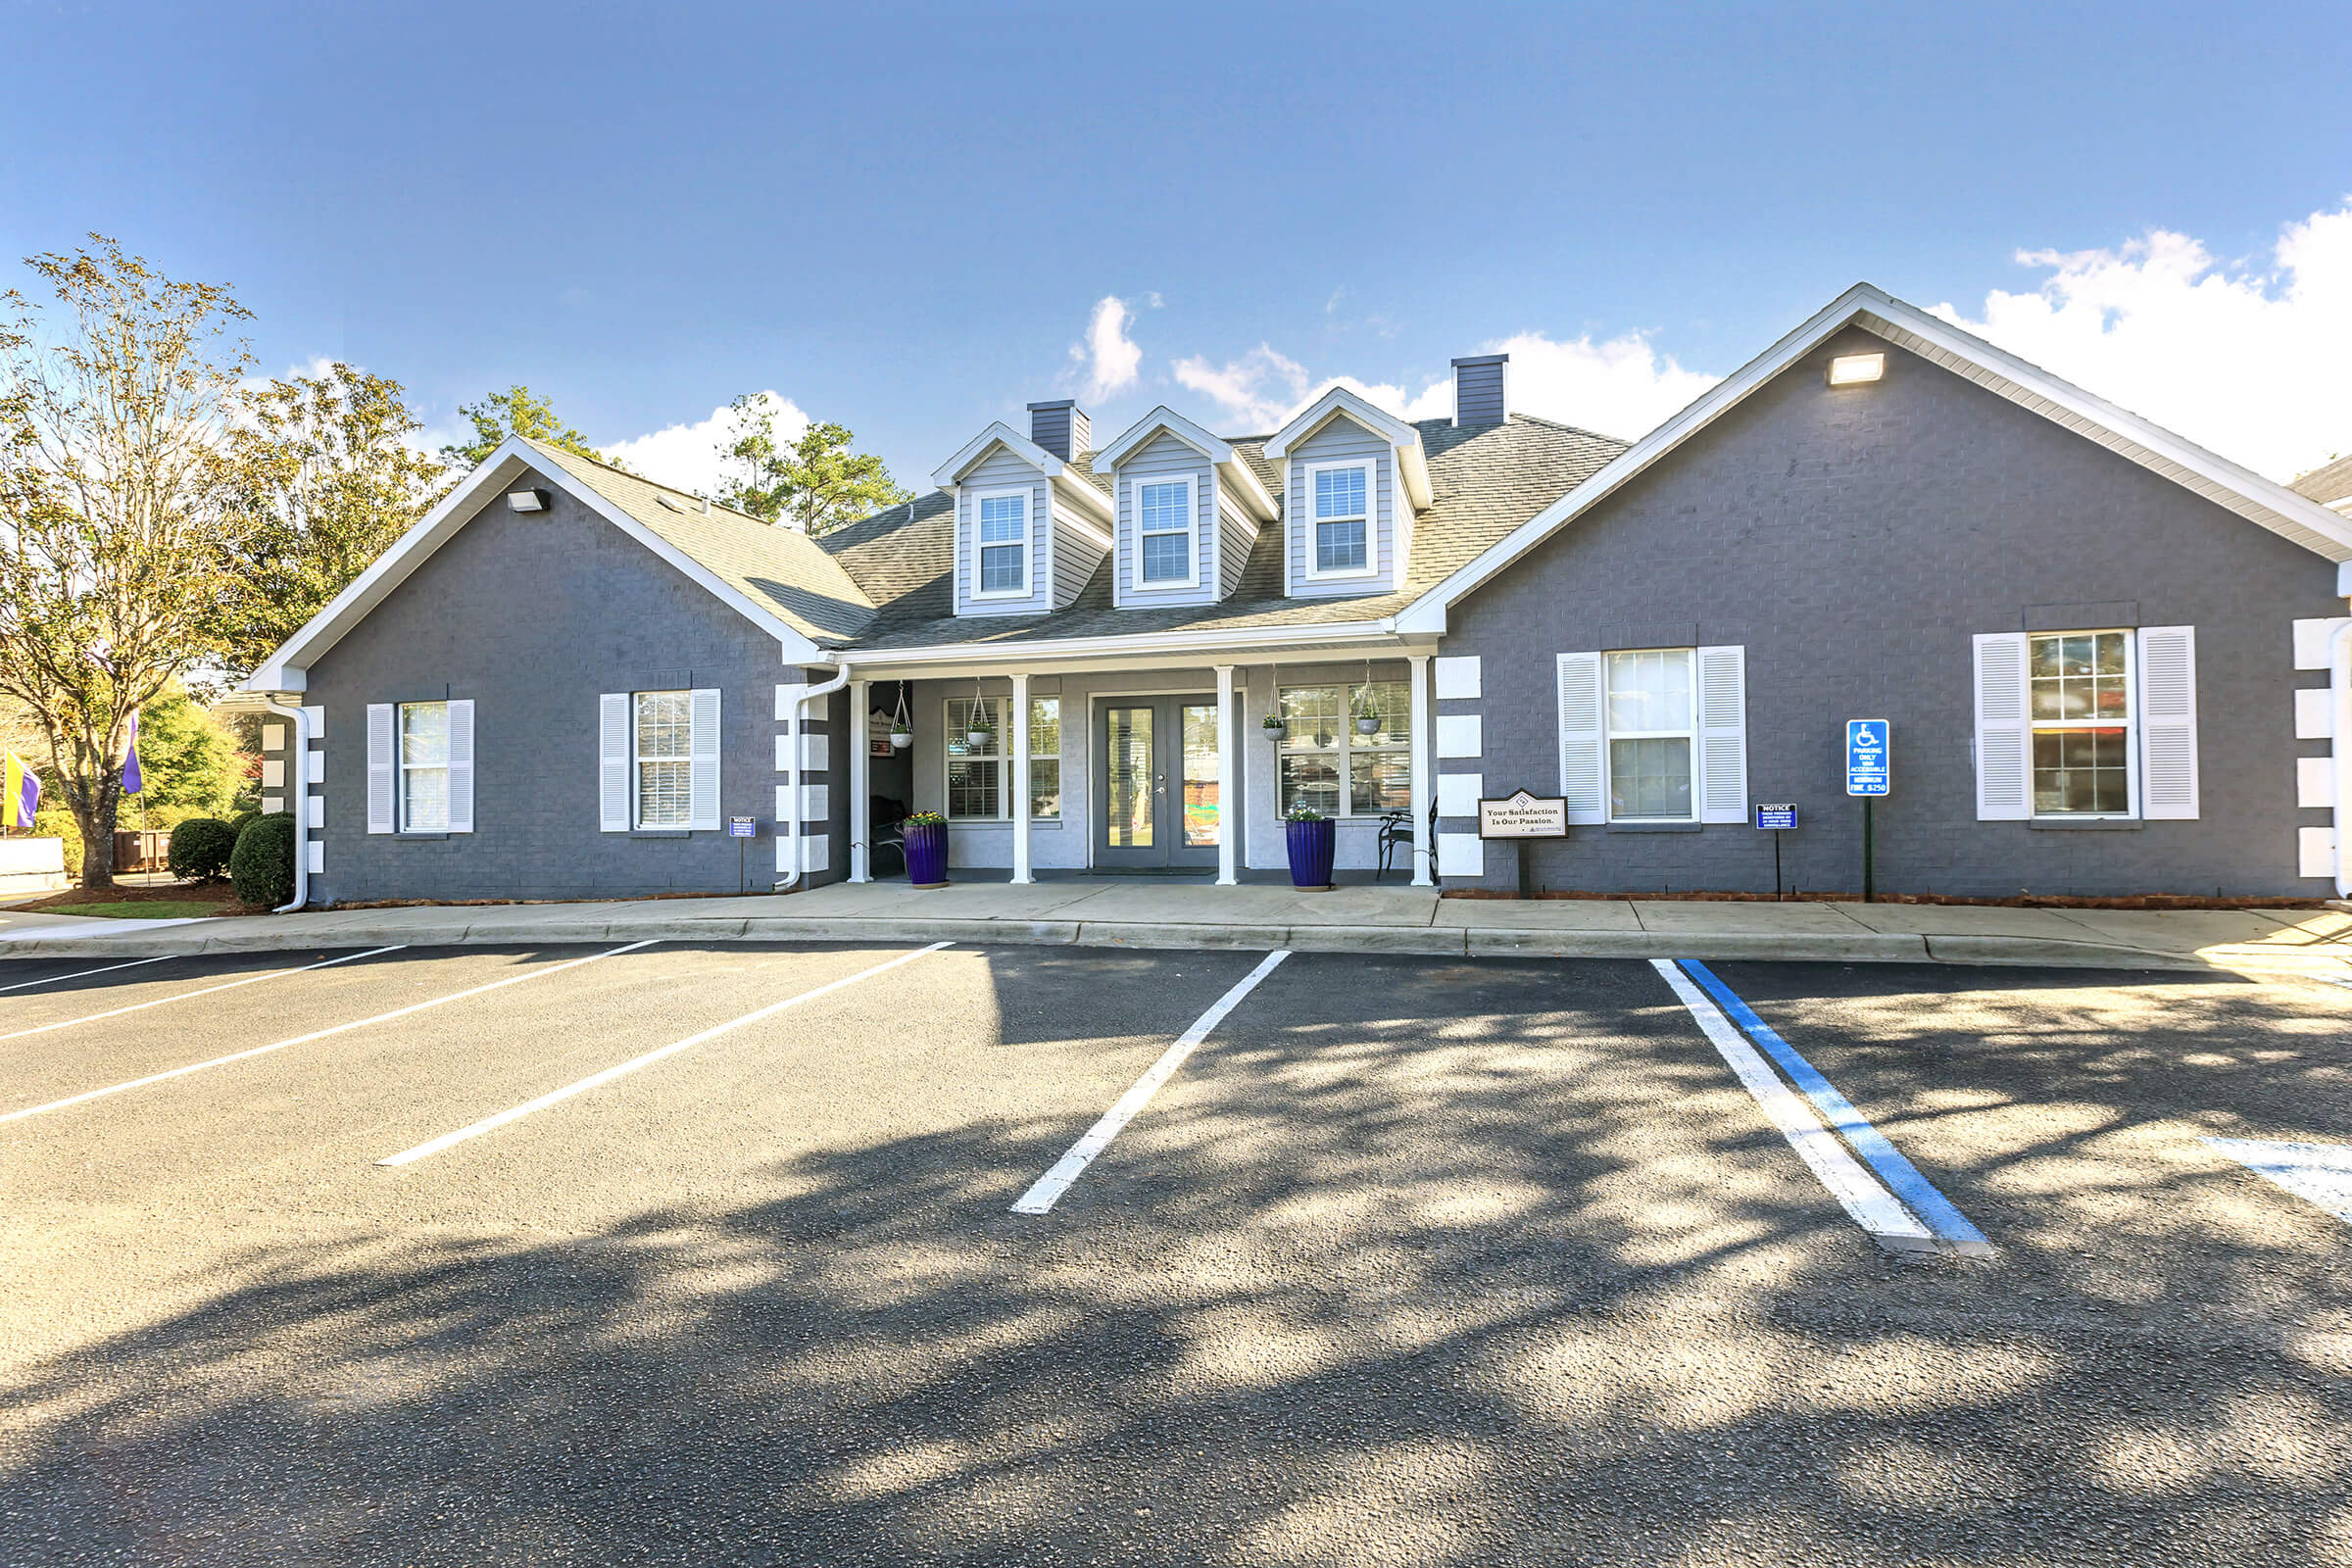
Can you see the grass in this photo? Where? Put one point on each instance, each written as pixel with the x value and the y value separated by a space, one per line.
pixel 134 902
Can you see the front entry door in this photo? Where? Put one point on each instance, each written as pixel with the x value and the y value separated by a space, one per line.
pixel 1157 781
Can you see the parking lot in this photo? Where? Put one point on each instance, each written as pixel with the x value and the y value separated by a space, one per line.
pixel 663 1253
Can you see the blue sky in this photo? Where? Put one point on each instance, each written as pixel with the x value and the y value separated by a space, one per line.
pixel 908 219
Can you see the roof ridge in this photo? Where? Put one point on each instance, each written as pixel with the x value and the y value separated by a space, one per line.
pixel 717 505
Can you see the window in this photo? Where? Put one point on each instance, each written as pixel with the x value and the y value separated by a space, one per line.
pixel 2079 691
pixel 1648 713
pixel 664 752
pixel 1321 748
pixel 1340 498
pixel 424 767
pixel 977 787
pixel 1163 532
pixel 1003 518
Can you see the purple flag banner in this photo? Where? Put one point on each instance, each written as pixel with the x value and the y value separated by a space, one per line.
pixel 130 761
pixel 19 791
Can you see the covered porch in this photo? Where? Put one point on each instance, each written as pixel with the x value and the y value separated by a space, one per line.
pixel 1148 766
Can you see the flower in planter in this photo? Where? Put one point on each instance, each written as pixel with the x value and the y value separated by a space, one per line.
pixel 925 819
pixel 1300 811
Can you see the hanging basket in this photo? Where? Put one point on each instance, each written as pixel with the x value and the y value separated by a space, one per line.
pixel 900 739
pixel 1367 723
pixel 977 738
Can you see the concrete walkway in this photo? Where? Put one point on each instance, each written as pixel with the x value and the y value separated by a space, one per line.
pixel 1143 913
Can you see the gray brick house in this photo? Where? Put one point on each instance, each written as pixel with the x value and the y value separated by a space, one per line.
pixel 2110 660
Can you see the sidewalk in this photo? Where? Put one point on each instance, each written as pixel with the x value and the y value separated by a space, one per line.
pixel 1143 913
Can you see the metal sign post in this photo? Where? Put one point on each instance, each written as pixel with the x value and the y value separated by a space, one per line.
pixel 1522 816
pixel 1775 821
pixel 1868 770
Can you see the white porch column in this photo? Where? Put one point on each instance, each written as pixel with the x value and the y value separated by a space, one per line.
pixel 1019 731
pixel 1424 748
pixel 862 813
pixel 1227 837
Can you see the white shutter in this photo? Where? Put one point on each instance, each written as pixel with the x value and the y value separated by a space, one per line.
pixel 461 766
pixel 613 762
pixel 702 811
pixel 1723 734
pixel 2005 737
pixel 1580 738
pixel 2167 721
pixel 380 741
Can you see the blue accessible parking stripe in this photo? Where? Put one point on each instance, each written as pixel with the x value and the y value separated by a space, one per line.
pixel 1935 1209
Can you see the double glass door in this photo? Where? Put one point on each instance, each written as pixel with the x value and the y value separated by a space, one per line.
pixel 1157 781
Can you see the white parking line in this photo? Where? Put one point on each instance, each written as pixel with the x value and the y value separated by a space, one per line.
pixel 1053 1183
pixel 1871 1206
pixel 82 974
pixel 320 1033
pixel 190 995
pixel 2318 1173
pixel 409 1156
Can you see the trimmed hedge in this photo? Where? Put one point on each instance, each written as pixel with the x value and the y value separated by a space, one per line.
pixel 200 850
pixel 242 820
pixel 261 867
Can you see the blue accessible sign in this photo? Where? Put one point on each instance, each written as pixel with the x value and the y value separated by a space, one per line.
pixel 1868 768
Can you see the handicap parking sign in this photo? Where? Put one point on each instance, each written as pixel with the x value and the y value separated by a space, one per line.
pixel 1868 766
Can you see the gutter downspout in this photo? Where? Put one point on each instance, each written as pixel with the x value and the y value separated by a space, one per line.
pixel 792 766
pixel 298 767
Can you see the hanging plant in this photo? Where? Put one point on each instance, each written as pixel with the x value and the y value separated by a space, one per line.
pixel 977 730
pixel 1273 725
pixel 1367 707
pixel 902 726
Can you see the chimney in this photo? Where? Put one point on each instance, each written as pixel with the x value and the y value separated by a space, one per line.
pixel 1478 396
pixel 1061 427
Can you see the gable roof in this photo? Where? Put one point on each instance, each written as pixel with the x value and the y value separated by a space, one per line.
pixel 1071 479
pixel 1484 481
pixel 2226 484
pixel 777 578
pixel 1237 473
pixel 2329 484
pixel 1339 403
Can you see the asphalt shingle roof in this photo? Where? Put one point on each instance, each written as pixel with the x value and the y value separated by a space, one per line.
pixel 782 569
pixel 2331 482
pixel 1483 483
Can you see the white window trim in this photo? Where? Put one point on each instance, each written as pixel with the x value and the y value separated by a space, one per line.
pixel 1350 743
pixel 401 768
pixel 1308 519
pixel 1192 532
pixel 1609 733
pixel 2130 726
pixel 638 760
pixel 1028 499
pixel 1001 756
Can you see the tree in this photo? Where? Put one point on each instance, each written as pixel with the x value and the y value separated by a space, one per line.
pixel 814 484
pixel 189 765
pixel 323 473
pixel 517 412
pixel 114 539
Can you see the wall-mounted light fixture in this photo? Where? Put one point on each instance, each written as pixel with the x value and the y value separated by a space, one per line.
pixel 527 500
pixel 1852 370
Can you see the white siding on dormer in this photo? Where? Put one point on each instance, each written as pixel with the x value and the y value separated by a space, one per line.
pixel 1004 471
pixel 1077 553
pixel 1342 440
pixel 1164 457
pixel 1237 532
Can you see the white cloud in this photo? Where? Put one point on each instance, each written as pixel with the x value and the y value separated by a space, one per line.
pixel 686 456
pixel 1111 356
pixel 1258 389
pixel 2248 358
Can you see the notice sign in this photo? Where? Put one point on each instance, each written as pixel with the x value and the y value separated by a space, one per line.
pixel 1522 816
pixel 743 827
pixel 1868 768
pixel 1775 819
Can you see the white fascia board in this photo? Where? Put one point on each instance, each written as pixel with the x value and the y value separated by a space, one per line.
pixel 283 670
pixel 1073 486
pixel 1412 464
pixel 1269 641
pixel 1213 448
pixel 2273 506
pixel 952 471
pixel 1242 479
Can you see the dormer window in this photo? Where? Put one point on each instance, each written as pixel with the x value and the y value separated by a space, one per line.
pixel 1004 544
pixel 1164 528
pixel 1340 493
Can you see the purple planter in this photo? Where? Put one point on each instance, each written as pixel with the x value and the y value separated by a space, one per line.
pixel 1310 845
pixel 927 853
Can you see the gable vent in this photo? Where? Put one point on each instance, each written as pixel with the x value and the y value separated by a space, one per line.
pixel 1061 427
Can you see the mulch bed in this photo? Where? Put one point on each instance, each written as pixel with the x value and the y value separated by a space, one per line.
pixel 2026 900
pixel 192 899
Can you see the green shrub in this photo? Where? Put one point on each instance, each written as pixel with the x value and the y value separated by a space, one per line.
pixel 262 866
pixel 200 850
pixel 238 823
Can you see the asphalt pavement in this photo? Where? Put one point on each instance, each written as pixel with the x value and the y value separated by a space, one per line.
pixel 710 1254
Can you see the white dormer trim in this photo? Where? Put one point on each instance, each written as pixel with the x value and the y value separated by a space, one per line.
pixel 1233 469
pixel 1067 482
pixel 1029 543
pixel 1307 520
pixel 1412 464
pixel 1135 483
pixel 2260 501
